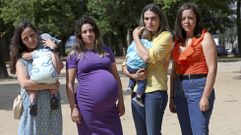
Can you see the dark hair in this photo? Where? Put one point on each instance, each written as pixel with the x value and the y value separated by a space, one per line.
pixel 17 45
pixel 79 45
pixel 164 26
pixel 180 34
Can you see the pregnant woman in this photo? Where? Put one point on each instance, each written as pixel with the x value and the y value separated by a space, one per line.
pixel 97 103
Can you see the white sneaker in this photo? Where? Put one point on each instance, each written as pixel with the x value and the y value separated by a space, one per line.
pixel 139 101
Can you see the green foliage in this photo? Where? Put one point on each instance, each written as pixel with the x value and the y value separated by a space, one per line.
pixel 113 14
pixel 16 11
pixel 54 16
pixel 99 9
pixel 114 17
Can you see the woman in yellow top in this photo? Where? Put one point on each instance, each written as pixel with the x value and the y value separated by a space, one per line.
pixel 148 119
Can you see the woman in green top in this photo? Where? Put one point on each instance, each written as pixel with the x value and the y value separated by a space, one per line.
pixel 148 119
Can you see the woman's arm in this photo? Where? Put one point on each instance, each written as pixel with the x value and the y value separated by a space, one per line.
pixel 28 84
pixel 139 75
pixel 210 53
pixel 171 97
pixel 70 86
pixel 120 104
pixel 58 64
pixel 141 49
pixel 70 90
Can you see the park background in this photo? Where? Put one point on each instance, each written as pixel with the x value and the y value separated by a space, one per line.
pixel 116 20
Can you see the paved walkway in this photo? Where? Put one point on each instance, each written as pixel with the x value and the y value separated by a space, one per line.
pixel 225 120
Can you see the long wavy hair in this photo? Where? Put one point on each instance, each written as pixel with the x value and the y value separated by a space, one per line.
pixel 179 32
pixel 164 26
pixel 79 46
pixel 17 45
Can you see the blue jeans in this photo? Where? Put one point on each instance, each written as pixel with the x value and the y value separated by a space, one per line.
pixel 141 84
pixel 148 119
pixel 187 95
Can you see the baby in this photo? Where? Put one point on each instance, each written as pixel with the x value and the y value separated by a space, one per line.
pixel 134 62
pixel 45 69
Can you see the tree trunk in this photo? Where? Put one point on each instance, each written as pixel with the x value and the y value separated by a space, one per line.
pixel 3 70
pixel 3 50
pixel 238 28
pixel 116 44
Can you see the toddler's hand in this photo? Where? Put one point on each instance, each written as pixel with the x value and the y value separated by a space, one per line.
pixel 49 43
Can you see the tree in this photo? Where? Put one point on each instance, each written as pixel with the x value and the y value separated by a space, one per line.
pixel 5 35
pixel 238 27
pixel 53 16
pixel 47 15
pixel 114 17
pixel 3 69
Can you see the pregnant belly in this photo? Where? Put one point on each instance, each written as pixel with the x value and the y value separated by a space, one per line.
pixel 97 89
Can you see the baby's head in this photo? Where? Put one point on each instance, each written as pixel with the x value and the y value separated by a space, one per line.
pixel 146 34
pixel 46 36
